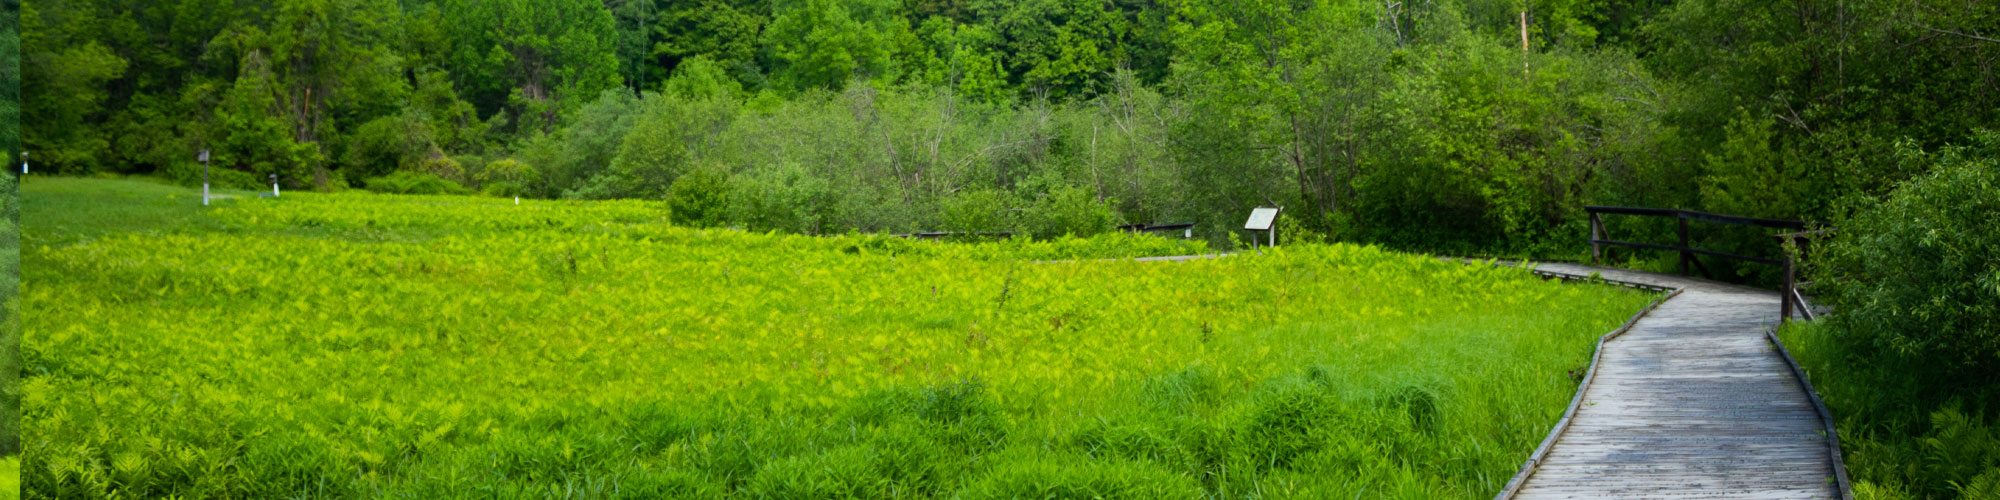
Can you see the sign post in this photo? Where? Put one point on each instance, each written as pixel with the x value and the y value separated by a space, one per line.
pixel 24 163
pixel 1264 219
pixel 274 185
pixel 203 157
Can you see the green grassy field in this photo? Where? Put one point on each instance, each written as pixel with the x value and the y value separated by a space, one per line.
pixel 354 345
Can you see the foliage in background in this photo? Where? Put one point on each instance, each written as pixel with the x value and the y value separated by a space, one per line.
pixel 1416 125
pixel 508 350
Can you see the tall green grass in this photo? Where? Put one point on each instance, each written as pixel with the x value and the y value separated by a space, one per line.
pixel 436 347
pixel 1904 431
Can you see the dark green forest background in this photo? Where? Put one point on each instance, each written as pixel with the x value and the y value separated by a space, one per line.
pixel 1421 125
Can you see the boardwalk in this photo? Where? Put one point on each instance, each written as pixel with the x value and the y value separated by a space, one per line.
pixel 1692 402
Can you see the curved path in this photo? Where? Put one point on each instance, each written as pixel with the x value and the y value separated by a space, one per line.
pixel 1692 401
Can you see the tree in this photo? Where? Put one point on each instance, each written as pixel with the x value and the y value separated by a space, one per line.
pixel 826 43
pixel 251 135
pixel 1063 47
pixel 66 72
pixel 727 33
pixel 532 58
pixel 668 138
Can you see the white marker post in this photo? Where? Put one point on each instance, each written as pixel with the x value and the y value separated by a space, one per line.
pixel 274 185
pixel 204 177
pixel 24 163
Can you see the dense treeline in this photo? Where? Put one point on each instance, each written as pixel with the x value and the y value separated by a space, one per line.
pixel 1440 126
pixel 1423 125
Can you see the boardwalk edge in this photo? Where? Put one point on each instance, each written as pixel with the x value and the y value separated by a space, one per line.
pixel 1541 452
pixel 1825 415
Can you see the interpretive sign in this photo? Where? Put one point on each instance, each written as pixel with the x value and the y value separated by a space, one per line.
pixel 1262 219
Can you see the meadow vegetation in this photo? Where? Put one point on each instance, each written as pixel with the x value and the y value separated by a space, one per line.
pixel 322 346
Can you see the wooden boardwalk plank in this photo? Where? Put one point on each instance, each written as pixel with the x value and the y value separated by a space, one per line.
pixel 1692 402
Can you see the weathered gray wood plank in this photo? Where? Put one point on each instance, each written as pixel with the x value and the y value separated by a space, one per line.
pixel 1692 402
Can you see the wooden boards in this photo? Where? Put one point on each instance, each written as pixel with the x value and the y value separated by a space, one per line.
pixel 1693 401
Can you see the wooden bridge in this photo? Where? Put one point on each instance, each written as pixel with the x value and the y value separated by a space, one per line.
pixel 1695 398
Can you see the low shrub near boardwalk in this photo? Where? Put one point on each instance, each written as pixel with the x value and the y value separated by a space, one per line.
pixel 1918 274
pixel 445 347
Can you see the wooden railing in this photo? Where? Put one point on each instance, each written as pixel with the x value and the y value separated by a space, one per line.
pixel 1793 300
pixel 1186 229
pixel 998 235
pixel 1791 295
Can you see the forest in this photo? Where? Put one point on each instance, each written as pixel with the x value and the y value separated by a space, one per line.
pixel 1474 126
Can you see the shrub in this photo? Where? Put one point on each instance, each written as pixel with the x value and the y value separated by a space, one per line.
pixel 507 170
pixel 1071 210
pixel 387 144
pixel 700 198
pixel 446 168
pixel 1918 274
pixel 188 173
pixel 668 135
pixel 415 183
pixel 982 210
pixel 786 198
pixel 569 158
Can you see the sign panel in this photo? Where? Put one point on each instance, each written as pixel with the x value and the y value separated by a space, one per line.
pixel 1261 219
pixel 203 157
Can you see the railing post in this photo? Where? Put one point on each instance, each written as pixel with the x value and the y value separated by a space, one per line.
pixel 1786 293
pixel 1596 233
pixel 1685 254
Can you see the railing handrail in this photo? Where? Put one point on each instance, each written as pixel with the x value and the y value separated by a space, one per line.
pixel 1791 299
pixel 1700 216
pixel 947 234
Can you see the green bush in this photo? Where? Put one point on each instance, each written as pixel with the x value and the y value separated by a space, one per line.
pixel 415 183
pixel 981 210
pixel 668 136
pixel 189 174
pixel 1918 274
pixel 700 198
pixel 1070 210
pixel 388 144
pixel 786 198
pixel 1907 361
